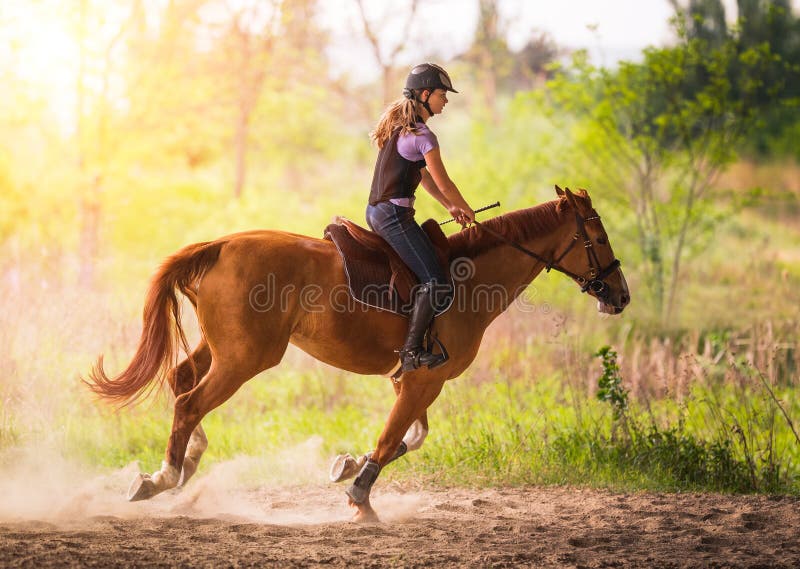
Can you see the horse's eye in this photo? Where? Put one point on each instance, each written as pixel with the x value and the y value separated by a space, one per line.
pixel 601 240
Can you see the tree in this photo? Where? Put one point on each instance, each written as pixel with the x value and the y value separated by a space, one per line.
pixel 655 135
pixel 703 19
pixel 179 124
pixel 262 58
pixel 534 60
pixel 489 55
pixel 772 23
pixel 760 22
pixel 243 40
pixel 387 56
pixel 99 32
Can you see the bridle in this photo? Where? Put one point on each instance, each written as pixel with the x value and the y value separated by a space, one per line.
pixel 594 281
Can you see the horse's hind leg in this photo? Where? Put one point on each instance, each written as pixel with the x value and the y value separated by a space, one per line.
pixel 221 382
pixel 198 443
pixel 183 379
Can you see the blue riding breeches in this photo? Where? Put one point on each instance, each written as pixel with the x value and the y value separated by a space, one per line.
pixel 396 224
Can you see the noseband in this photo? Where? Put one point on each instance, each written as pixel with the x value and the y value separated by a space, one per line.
pixel 594 281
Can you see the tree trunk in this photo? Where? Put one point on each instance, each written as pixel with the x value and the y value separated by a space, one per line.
pixel 489 87
pixel 241 152
pixel 89 205
pixel 487 37
pixel 88 250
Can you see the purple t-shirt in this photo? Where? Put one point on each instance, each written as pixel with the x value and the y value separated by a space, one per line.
pixel 414 147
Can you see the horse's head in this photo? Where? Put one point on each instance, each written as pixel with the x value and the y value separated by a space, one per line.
pixel 589 259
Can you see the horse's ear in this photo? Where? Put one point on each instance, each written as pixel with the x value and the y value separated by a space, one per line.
pixel 559 191
pixel 584 195
pixel 571 198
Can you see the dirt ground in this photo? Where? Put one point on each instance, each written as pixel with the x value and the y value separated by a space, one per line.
pixel 309 525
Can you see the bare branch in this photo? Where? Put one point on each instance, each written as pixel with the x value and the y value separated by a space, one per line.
pixel 404 37
pixel 368 32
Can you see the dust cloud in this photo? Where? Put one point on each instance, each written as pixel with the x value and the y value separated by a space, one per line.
pixel 287 488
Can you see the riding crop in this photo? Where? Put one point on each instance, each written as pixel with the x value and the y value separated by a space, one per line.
pixel 484 208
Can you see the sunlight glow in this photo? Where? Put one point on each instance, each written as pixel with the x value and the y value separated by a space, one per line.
pixel 43 54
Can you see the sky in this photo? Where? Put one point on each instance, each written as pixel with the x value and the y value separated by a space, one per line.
pixel 43 50
pixel 610 29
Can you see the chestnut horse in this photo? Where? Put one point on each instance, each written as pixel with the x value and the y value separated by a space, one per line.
pixel 255 292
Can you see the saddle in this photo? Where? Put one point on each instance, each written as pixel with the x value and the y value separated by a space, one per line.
pixel 375 273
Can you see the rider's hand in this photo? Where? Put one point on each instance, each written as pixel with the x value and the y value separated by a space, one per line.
pixel 463 216
pixel 469 215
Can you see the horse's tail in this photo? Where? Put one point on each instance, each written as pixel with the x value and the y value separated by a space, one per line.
pixel 162 331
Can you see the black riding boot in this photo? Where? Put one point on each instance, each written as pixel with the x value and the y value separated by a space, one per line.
pixel 413 355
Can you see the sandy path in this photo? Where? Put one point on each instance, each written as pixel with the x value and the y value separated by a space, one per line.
pixel 309 526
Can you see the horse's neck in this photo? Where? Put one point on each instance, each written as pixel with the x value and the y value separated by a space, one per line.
pixel 513 270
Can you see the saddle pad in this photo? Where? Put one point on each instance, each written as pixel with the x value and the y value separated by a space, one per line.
pixel 375 274
pixel 367 270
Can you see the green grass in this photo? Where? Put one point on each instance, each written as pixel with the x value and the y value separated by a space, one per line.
pixel 479 437
pixel 513 430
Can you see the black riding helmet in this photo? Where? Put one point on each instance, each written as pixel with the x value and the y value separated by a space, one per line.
pixel 429 76
pixel 426 76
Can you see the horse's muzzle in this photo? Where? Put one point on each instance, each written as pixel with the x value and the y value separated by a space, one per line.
pixel 608 308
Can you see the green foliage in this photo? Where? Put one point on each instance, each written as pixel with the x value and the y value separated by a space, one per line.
pixel 610 383
pixel 518 433
pixel 667 457
pixel 654 136
pixel 761 25
pixel 9 435
pixel 740 455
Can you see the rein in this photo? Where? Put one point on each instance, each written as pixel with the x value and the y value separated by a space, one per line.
pixel 595 282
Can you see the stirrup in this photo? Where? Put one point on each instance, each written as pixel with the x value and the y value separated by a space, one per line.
pixel 413 359
pixel 433 340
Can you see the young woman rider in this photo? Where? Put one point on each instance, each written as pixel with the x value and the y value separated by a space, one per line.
pixel 409 154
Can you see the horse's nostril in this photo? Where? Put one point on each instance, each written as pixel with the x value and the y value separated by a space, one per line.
pixel 624 299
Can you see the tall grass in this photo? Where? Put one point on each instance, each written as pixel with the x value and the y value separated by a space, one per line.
pixel 725 437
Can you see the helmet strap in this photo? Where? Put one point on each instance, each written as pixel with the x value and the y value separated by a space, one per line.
pixel 425 103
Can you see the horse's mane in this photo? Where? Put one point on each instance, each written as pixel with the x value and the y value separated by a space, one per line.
pixel 520 226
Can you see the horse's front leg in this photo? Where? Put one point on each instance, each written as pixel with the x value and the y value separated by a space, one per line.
pixel 345 466
pixel 414 398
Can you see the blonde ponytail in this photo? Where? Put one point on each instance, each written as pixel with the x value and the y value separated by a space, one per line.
pixel 401 114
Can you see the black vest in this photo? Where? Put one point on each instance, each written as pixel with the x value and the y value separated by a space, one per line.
pixel 394 176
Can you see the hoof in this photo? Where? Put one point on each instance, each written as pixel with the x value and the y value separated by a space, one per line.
pixel 142 488
pixel 365 513
pixel 189 468
pixel 345 467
